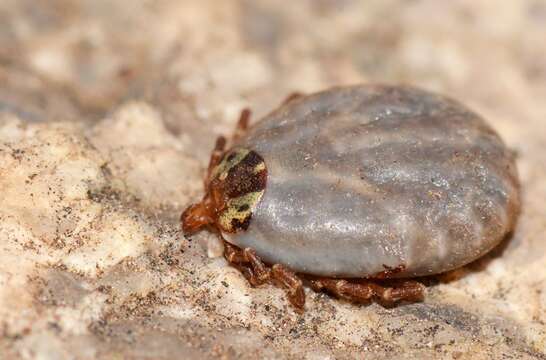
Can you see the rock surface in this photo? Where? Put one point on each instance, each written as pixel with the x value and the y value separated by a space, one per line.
pixel 108 113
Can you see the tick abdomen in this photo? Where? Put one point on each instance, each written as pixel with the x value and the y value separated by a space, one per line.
pixel 366 176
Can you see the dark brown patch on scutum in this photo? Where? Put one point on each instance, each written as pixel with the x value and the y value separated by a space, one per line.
pixel 238 225
pixel 244 207
pixel 242 178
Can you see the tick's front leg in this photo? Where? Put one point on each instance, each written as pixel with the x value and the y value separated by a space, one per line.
pixel 215 158
pixel 292 96
pixel 242 124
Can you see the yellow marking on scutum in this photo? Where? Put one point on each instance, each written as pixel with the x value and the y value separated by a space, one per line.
pixel 232 211
pixel 223 168
pixel 259 167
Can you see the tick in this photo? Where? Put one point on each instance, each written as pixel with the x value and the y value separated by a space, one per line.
pixel 358 190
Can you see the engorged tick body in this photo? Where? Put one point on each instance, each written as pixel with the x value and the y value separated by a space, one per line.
pixel 364 182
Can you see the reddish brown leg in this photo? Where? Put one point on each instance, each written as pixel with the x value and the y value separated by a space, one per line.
pixel 244 118
pixel 293 96
pixel 388 272
pixel 240 130
pixel 258 273
pixel 292 283
pixel 405 290
pixel 215 157
pixel 248 262
pixel 242 124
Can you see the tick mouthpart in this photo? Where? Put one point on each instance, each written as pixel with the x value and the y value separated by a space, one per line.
pixel 198 215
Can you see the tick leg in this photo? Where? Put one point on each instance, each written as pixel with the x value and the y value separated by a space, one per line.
pixel 389 272
pixel 248 263
pixel 215 157
pixel 244 118
pixel 257 273
pixel 406 290
pixel 242 124
pixel 362 292
pixel 262 272
pixel 220 146
pixel 292 283
pixel 293 96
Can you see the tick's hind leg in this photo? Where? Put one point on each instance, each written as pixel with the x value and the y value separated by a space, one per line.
pixel 366 291
pixel 257 273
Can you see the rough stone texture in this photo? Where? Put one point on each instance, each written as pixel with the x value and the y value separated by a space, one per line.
pixel 108 112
